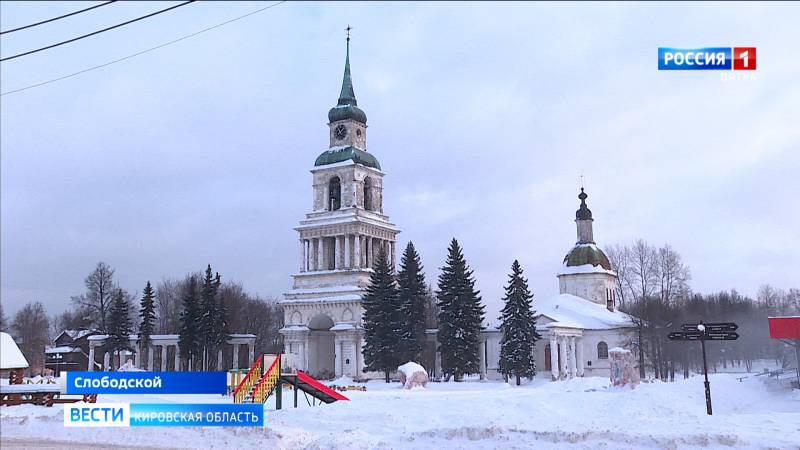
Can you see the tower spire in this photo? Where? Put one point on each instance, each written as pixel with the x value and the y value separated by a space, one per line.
pixel 583 218
pixel 347 96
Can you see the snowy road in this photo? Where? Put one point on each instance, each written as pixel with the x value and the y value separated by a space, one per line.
pixel 578 414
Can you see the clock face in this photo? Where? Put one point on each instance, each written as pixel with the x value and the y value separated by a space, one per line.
pixel 340 132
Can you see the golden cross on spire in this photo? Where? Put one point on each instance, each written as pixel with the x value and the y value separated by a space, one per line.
pixel 348 32
pixel 581 181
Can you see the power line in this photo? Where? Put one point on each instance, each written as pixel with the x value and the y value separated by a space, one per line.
pixel 56 18
pixel 98 31
pixel 143 51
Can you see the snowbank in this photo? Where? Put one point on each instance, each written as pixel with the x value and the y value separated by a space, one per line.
pixel 582 413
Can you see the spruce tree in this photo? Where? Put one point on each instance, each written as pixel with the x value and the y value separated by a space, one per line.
pixel 518 325
pixel 460 316
pixel 411 291
pixel 148 315
pixel 208 312
pixel 119 325
pixel 220 330
pixel 190 323
pixel 381 319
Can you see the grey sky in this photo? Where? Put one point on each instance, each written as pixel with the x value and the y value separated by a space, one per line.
pixel 482 115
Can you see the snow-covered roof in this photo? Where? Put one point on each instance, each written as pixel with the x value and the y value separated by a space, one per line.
pixel 76 334
pixel 10 355
pixel 570 311
pixel 343 327
pixel 294 328
pixel 584 268
pixel 62 349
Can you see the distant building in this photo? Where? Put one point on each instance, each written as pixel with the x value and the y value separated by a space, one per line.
pixel 70 351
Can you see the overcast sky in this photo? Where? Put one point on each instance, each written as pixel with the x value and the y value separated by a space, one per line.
pixel 483 116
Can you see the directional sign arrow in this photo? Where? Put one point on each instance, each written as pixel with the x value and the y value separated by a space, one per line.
pixel 689 326
pixel 730 326
pixel 726 336
pixel 685 336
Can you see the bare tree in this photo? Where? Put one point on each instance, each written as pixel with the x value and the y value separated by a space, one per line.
pixel 3 319
pixel 168 305
pixel 673 275
pixel 643 277
pixel 30 327
pixel 77 319
pixel 99 294
pixel 619 256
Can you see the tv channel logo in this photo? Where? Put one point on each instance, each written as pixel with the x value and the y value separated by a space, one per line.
pixel 97 415
pixel 707 58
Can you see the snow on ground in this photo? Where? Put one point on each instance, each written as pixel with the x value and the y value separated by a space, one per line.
pixel 577 414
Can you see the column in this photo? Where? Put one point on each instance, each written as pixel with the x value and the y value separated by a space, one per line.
pixel 150 358
pixel 235 356
pixel 337 253
pixel 106 359
pixel 579 354
pixel 251 351
pixel 177 359
pixel 357 251
pixel 337 358
pixel 163 358
pixel 482 358
pixel 301 356
pixel 302 256
pixel 562 348
pixel 572 361
pixel 346 252
pixel 91 357
pixel 307 259
pixel 392 251
pixel 553 357
pixel 136 352
pixel 368 250
pixel 320 254
pixel 219 360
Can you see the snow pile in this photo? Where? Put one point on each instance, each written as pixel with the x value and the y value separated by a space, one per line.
pixel 412 375
pixel 129 367
pixel 10 355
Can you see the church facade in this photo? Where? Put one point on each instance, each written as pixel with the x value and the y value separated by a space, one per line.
pixel 340 237
pixel 338 242
pixel 582 323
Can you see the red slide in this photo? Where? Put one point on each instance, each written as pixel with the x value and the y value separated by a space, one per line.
pixel 314 388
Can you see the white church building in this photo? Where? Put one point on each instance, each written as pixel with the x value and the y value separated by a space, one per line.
pixel 341 236
pixel 582 323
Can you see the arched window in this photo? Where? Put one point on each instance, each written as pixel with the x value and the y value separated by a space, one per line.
pixel 334 194
pixel 602 350
pixel 368 193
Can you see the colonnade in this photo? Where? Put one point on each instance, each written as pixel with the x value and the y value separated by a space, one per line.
pixel 347 251
pixel 571 362
pixel 163 343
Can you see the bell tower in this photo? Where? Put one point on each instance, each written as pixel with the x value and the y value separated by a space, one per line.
pixel 339 241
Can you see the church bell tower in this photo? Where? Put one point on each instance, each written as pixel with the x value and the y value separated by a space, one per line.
pixel 338 243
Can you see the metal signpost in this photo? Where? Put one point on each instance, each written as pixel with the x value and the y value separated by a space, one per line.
pixel 706 332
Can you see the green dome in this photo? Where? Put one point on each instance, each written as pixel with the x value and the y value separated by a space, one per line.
pixel 587 254
pixel 342 112
pixel 347 154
